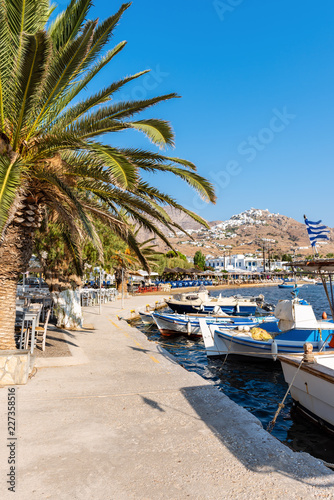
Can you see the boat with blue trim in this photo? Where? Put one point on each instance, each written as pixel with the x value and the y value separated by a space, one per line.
pixel 188 324
pixel 296 325
pixel 202 303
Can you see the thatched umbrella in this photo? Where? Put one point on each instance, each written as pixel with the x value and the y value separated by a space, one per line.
pixel 193 270
pixel 169 270
pixel 180 270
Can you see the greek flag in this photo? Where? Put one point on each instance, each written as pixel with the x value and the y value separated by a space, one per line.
pixel 316 231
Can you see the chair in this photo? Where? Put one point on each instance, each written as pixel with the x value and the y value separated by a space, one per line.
pixel 36 307
pixel 40 332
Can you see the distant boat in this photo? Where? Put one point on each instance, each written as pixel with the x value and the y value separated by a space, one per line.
pixel 289 284
pixel 310 281
pixel 297 325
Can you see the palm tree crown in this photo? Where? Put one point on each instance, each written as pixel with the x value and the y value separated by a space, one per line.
pixel 50 155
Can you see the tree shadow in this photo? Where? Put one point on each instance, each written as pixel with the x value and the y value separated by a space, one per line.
pixel 243 435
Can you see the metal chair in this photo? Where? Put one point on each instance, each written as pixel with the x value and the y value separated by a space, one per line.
pixel 40 332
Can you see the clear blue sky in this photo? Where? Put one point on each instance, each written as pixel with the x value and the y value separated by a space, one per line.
pixel 239 65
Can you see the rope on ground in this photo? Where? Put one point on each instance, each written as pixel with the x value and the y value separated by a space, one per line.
pixel 281 405
pixel 33 372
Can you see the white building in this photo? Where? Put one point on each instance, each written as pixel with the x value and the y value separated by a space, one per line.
pixel 241 262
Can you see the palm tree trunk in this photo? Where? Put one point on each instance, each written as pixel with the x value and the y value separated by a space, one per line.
pixel 15 253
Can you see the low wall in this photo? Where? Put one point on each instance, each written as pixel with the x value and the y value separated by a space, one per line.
pixel 14 367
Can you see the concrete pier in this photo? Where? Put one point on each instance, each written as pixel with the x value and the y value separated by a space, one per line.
pixel 125 421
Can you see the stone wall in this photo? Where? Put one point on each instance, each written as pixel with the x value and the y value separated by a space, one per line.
pixel 14 367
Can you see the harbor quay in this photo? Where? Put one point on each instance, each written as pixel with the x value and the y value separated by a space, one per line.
pixel 120 419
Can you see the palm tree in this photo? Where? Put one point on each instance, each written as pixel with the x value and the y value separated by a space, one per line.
pixel 50 158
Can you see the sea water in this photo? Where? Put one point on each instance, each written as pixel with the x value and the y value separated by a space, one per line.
pixel 257 386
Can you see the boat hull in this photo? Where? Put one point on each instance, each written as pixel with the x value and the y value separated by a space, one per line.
pixel 312 390
pixel 169 324
pixel 180 308
pixel 219 342
pixel 146 318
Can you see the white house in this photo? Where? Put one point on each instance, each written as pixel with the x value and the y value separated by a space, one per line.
pixel 241 262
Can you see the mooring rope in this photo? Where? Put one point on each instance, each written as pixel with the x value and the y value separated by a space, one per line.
pixel 281 405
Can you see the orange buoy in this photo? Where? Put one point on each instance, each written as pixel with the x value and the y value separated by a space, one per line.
pixel 324 315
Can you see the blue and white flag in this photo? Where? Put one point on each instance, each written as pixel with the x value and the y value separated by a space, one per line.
pixel 316 231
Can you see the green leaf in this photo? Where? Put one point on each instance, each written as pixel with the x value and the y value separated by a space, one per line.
pixel 67 25
pixel 32 72
pixel 61 72
pixel 83 107
pixel 120 169
pixel 10 178
pixel 158 131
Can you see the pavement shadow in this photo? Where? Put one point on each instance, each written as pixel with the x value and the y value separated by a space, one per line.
pixel 58 339
pixel 243 434
pixel 152 404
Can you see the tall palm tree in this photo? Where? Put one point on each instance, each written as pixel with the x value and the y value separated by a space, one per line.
pixel 49 152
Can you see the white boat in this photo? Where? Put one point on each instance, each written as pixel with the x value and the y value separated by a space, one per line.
pixel 297 325
pixel 170 324
pixel 312 386
pixel 146 317
pixel 310 281
pixel 201 302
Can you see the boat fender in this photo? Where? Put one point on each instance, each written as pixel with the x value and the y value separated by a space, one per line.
pixel 324 315
pixel 331 344
pixel 274 349
pixel 189 328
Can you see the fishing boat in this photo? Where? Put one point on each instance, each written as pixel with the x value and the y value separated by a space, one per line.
pixel 296 325
pixel 188 324
pixel 289 284
pixel 311 381
pixel 146 317
pixel 311 377
pixel 201 302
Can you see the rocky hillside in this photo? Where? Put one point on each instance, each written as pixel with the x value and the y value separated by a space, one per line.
pixel 245 233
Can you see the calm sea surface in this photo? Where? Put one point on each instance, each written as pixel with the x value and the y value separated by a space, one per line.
pixel 258 387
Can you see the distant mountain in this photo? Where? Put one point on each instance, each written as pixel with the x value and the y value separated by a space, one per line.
pixel 244 233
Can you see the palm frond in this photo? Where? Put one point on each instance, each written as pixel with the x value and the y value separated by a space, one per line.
pixel 101 97
pixel 73 91
pixel 6 62
pixel 32 72
pixel 102 35
pixel 158 131
pixel 203 187
pixel 120 169
pixel 127 109
pixel 149 159
pixel 10 177
pixel 62 70
pixel 68 24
